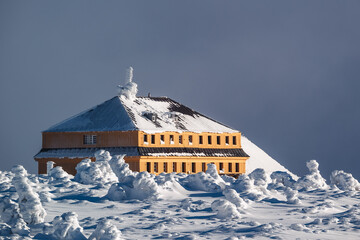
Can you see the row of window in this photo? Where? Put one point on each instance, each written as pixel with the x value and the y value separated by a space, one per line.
pixel 183 167
pixel 190 139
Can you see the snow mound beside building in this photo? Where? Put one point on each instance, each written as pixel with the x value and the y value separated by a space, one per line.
pixel 260 159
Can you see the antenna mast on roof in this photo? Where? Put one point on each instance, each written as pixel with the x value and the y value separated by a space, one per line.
pixel 129 74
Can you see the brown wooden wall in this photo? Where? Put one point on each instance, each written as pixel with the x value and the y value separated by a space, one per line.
pixel 75 139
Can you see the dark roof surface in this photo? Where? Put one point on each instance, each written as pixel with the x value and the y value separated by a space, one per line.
pixel 140 151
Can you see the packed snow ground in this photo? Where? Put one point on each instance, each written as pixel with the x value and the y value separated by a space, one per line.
pixel 106 200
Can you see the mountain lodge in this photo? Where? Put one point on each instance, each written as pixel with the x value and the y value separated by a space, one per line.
pixel 157 134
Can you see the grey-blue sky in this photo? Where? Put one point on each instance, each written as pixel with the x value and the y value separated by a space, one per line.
pixel 285 73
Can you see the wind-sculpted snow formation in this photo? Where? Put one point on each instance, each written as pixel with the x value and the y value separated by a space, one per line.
pixel 98 172
pixel 106 230
pixel 30 206
pixel 313 180
pixel 106 200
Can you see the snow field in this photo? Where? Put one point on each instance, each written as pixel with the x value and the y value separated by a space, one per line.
pixel 134 205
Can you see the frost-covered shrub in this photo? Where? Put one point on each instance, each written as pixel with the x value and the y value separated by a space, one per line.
pixel 245 186
pixel 49 166
pixel 313 180
pixel 30 206
pixel 98 172
pixel 208 182
pixel 121 169
pixel 344 181
pixel 131 185
pixel 67 227
pixel 9 211
pixel 192 206
pixel 58 175
pixel 291 196
pixel 5 180
pixel 105 230
pixel 260 177
pixel 283 178
pixel 142 187
pixel 232 196
pixel 224 209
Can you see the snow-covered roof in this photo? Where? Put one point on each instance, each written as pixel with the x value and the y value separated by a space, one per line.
pixel 149 114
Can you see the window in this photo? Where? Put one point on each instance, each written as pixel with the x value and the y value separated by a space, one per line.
pixel 162 139
pixel 152 139
pixel 171 139
pixel 234 140
pixel 221 166
pixel 230 167
pixel 184 167
pixel 89 139
pixel 174 167
pixel 209 140
pixel 145 138
pixel 193 167
pixel 180 139
pixel 227 140
pixel 218 140
pixel 237 167
pixel 148 166
pixel 165 167
pixel 203 167
pixel 156 167
pixel 190 139
pixel 200 139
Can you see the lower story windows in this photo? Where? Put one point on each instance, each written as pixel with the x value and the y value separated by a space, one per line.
pixel 156 167
pixel 148 166
pixel 165 167
pixel 174 167
pixel 184 167
pixel 230 167
pixel 221 166
pixel 193 167
pixel 203 167
pixel 237 169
